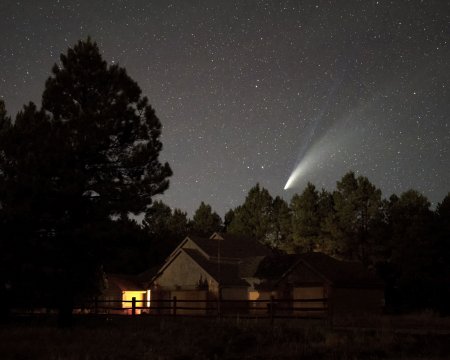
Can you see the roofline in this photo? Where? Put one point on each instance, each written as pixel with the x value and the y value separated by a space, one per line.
pixel 169 260
pixel 295 264
pixel 218 282
pixel 325 278
pixel 160 271
pixel 218 234
pixel 172 258
pixel 204 253
pixel 177 248
pixel 181 244
pixel 316 271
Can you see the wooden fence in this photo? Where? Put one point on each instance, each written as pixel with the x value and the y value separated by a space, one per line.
pixel 272 308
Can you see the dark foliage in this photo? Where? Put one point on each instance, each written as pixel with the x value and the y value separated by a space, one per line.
pixel 406 242
pixel 205 221
pixel 90 154
pixel 165 228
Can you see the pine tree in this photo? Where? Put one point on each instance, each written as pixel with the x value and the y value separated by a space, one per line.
pixel 358 208
pixel 282 223
pixel 111 134
pixel 228 218
pixel 305 220
pixel 413 248
pixel 157 219
pixel 166 225
pixel 442 258
pixel 255 217
pixel 89 154
pixel 205 222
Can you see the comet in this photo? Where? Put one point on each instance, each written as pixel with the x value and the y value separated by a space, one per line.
pixel 302 168
pixel 321 155
pixel 297 173
pixel 310 151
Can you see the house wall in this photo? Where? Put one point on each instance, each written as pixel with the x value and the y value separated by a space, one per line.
pixel 194 299
pixel 308 285
pixel 234 293
pixel 233 300
pixel 309 308
pixel 184 273
pixel 259 308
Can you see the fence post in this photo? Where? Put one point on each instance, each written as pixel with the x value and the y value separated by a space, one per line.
pixel 133 306
pixel 96 305
pixel 329 313
pixel 174 308
pixel 219 302
pixel 272 309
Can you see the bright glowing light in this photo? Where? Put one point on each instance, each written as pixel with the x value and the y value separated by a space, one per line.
pixel 127 297
pixel 303 166
pixel 315 157
pixel 296 174
pixel 148 298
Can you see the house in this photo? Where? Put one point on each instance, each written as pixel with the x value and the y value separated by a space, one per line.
pixel 346 287
pixel 226 273
pixel 214 268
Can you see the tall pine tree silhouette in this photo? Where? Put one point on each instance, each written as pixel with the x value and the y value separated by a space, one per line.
pixel 93 154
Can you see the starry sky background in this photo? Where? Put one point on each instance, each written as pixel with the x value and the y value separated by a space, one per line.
pixel 249 90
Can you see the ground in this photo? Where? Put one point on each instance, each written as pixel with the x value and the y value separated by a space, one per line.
pixel 187 338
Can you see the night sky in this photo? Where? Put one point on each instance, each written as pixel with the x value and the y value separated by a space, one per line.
pixel 253 91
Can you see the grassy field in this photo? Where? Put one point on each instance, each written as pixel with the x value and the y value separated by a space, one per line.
pixel 187 338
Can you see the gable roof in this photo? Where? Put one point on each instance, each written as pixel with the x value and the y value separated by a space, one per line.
pixel 223 273
pixel 230 246
pixel 338 273
pixel 274 267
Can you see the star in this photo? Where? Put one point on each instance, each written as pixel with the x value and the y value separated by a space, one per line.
pixel 247 94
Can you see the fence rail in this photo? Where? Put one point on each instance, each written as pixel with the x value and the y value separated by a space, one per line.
pixel 271 308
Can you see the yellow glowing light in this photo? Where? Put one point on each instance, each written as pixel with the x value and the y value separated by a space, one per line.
pixel 127 297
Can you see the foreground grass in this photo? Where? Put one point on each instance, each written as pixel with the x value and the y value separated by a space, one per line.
pixel 184 338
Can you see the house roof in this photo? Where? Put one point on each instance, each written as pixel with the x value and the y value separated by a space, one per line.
pixel 224 273
pixel 338 273
pixel 274 267
pixel 230 246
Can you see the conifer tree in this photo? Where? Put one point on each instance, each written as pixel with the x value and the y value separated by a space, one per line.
pixel 357 210
pixel 282 224
pixel 228 218
pixel 89 154
pixel 305 219
pixel 254 218
pixel 165 226
pixel 205 222
pixel 413 248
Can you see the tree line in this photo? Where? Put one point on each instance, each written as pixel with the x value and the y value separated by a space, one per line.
pixel 73 169
pixel 400 238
